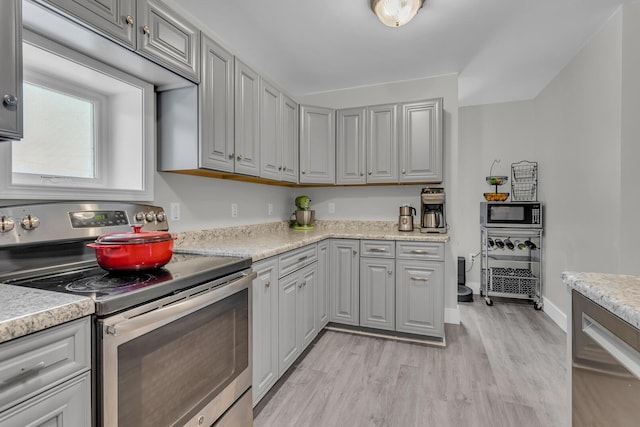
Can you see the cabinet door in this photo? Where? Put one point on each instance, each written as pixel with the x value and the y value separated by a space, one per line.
pixel 317 145
pixel 216 108
pixel 421 141
pixel 247 120
pixel 322 285
pixel 270 141
pixel 345 266
pixel 290 139
pixel 288 341
pixel 113 18
pixel 168 38
pixel 377 293
pixel 11 70
pixel 382 144
pixel 306 306
pixel 350 142
pixel 67 405
pixel 265 327
pixel 419 297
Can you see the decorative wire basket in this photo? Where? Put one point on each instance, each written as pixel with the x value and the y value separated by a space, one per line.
pixel 513 281
pixel 523 191
pixel 524 181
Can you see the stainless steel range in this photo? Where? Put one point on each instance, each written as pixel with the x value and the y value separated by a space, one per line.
pixel 171 345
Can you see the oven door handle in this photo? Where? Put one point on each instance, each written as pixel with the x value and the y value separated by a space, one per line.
pixel 618 349
pixel 122 328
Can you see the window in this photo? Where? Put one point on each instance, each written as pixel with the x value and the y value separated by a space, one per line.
pixel 88 129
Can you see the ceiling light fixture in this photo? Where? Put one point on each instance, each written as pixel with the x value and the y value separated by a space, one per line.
pixel 396 13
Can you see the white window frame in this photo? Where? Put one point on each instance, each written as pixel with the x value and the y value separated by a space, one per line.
pixel 100 134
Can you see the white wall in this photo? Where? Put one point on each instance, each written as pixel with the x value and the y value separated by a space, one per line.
pixel 206 203
pixel 382 202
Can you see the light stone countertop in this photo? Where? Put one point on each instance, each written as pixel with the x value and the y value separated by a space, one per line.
pixel 25 310
pixel 266 240
pixel 620 294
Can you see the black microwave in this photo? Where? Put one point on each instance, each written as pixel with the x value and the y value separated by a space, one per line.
pixel 511 215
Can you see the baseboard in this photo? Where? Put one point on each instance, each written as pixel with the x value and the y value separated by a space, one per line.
pixel 452 315
pixel 555 314
pixel 475 287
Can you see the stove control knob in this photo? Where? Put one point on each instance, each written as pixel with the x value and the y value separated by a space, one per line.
pixel 30 222
pixel 161 217
pixel 6 224
pixel 139 216
pixel 150 216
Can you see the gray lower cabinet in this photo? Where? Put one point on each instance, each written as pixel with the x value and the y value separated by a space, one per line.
pixel 345 282
pixel 377 293
pixel 322 285
pixel 11 70
pixel 350 146
pixel 46 378
pixel 216 108
pixel 420 297
pixel 317 145
pixel 265 327
pixel 296 314
pixel 247 120
pixel 421 141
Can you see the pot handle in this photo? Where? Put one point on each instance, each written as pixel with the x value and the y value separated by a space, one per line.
pixel 99 246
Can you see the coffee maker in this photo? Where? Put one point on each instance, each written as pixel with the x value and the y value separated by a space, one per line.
pixel 433 214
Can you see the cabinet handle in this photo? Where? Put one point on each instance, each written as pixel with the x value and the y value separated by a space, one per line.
pixel 370 172
pixel 419 251
pixel 129 19
pixel 284 167
pixel 404 171
pixel 390 272
pixel 300 284
pixel 239 157
pixel 267 284
pixel 419 278
pixel 146 30
pixel 24 372
pixel 303 172
pixel 355 252
pixel 378 249
pixel 231 155
pixel 361 173
pixel 10 100
pixel 279 168
pixel 302 258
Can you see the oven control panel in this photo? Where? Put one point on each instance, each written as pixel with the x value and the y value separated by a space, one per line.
pixel 46 222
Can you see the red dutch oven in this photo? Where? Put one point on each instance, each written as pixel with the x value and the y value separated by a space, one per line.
pixel 136 250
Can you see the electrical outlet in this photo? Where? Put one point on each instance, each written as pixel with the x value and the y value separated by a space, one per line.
pixel 175 211
pixel 471 258
pixel 270 209
pixel 234 210
pixel 332 208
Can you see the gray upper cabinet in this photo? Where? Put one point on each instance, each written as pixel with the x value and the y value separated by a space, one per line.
pixel 270 132
pixel 247 116
pixel 421 141
pixel 290 139
pixel 216 108
pixel 382 144
pixel 350 146
pixel 168 38
pixel 344 283
pixel 114 18
pixel 11 70
pixel 317 145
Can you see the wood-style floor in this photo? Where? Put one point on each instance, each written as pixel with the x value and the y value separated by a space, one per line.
pixel 503 366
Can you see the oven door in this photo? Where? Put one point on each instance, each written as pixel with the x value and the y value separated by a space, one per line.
pixel 182 360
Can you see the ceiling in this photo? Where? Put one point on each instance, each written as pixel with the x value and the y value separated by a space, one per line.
pixel 502 50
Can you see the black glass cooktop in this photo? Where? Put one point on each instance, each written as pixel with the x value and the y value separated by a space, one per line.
pixel 117 291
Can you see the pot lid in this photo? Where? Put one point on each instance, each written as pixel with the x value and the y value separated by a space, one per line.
pixel 135 237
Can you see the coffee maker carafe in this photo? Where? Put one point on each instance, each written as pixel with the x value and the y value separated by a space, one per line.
pixel 433 215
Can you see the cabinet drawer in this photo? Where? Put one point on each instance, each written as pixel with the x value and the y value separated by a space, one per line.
pixel 420 250
pixel 42 360
pixel 378 248
pixel 298 258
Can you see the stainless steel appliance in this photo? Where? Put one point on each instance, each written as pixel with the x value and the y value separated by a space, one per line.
pixel 405 220
pixel 510 215
pixel 172 345
pixel 605 367
pixel 433 212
